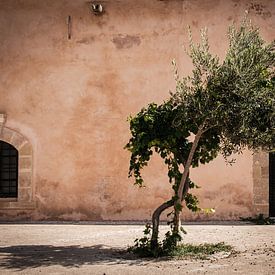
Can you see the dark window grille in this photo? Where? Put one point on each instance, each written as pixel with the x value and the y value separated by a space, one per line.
pixel 8 171
pixel 272 184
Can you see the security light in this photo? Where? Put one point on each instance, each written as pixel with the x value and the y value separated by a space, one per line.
pixel 97 9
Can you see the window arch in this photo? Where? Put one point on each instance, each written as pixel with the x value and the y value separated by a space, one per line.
pixel 8 170
pixel 21 197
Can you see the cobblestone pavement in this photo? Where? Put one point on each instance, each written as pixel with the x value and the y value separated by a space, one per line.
pixel 98 249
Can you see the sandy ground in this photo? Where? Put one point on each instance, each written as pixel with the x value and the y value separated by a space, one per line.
pixel 95 249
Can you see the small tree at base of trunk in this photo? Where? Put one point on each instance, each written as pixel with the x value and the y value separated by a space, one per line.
pixel 227 106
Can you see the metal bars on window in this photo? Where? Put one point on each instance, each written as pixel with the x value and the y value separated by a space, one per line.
pixel 8 171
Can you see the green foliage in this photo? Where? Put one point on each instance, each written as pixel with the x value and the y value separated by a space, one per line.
pixel 237 93
pixel 191 202
pixel 236 96
pixel 169 247
pixel 142 246
pixel 246 77
pixel 170 241
pixel 154 129
pixel 232 101
pixel 201 251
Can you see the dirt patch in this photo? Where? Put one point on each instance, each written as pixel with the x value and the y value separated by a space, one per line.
pixel 98 249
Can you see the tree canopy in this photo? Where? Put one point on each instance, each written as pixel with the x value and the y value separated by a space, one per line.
pixel 226 105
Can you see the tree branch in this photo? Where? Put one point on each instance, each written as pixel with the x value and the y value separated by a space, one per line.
pixel 188 163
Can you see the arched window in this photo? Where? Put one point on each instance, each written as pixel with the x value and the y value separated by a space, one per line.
pixel 8 171
pixel 16 162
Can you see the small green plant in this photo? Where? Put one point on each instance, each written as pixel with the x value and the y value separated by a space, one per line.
pixel 142 246
pixel 260 219
pixel 170 247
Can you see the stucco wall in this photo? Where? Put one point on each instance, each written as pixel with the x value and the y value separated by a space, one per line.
pixel 71 97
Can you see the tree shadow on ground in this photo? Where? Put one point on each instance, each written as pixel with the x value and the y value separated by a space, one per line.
pixel 21 257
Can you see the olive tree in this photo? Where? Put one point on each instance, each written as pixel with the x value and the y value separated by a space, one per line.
pixel 223 107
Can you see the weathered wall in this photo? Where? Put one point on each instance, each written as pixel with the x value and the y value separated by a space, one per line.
pixel 71 98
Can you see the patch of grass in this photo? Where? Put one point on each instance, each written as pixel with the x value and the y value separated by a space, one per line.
pixel 171 246
pixel 200 251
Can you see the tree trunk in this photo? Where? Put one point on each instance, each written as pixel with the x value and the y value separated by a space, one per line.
pixel 183 187
pixel 176 221
pixel 155 222
pixel 156 218
pixel 183 182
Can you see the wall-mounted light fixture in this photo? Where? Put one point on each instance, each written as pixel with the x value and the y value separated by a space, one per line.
pixel 97 8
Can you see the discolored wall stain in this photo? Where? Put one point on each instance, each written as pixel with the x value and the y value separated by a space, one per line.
pixel 235 198
pixel 195 23
pixel 52 205
pixel 86 40
pixel 71 98
pixel 207 5
pixel 259 9
pixel 126 41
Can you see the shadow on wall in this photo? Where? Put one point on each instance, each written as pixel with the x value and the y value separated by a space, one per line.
pixel 21 257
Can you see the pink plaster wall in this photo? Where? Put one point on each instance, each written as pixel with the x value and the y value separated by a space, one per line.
pixel 71 98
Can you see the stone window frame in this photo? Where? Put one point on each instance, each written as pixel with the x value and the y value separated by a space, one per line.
pixel 25 198
pixel 261 183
